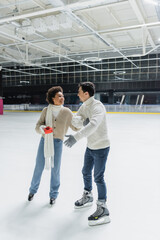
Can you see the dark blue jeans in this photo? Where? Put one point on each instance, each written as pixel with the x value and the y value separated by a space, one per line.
pixel 96 159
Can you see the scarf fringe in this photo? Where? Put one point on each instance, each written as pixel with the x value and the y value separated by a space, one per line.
pixel 49 163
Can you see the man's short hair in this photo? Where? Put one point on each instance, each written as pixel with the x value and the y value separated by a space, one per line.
pixel 88 87
pixel 52 92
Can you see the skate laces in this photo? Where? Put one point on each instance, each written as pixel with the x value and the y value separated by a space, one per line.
pixel 98 212
pixel 84 198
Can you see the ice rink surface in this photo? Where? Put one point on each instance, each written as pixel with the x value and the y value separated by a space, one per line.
pixel 132 176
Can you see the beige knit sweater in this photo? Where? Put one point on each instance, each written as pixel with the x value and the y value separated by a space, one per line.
pixel 60 124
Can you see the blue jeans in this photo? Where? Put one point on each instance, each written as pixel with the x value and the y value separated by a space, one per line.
pixel 96 159
pixel 55 172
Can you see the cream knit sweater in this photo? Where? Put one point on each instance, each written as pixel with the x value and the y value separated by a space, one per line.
pixel 60 124
pixel 96 130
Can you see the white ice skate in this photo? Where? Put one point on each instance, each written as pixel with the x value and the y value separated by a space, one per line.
pixel 100 216
pixel 85 201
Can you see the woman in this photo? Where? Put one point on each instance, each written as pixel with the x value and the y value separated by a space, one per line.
pixel 50 147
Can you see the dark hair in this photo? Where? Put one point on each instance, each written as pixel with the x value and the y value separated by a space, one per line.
pixel 88 87
pixel 52 92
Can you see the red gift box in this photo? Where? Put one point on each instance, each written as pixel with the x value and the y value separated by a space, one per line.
pixel 48 130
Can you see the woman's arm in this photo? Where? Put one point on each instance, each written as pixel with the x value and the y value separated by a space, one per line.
pixel 41 121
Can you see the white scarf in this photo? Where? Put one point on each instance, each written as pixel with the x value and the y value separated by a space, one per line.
pixel 49 141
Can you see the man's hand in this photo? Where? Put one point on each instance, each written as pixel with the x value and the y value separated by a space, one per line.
pixel 85 122
pixel 70 141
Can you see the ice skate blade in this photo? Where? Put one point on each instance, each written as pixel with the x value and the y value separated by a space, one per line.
pixel 83 206
pixel 100 221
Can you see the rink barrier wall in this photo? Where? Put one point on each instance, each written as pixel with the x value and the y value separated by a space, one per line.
pixel 153 109
pixel 1 106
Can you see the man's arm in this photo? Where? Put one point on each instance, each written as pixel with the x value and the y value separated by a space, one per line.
pixel 78 118
pixel 94 122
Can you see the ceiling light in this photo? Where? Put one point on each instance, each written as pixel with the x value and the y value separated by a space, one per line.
pixel 119 72
pixel 24 81
pixel 93 59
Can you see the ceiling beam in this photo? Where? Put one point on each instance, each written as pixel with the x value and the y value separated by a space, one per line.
pixel 140 18
pixel 74 6
pixel 144 39
pixel 100 6
pixel 14 3
pixel 148 25
pixel 97 35
pixel 53 41
pixel 39 3
pixel 113 16
pixel 120 29
pixel 44 49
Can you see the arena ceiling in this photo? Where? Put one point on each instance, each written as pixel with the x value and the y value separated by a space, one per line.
pixel 43 32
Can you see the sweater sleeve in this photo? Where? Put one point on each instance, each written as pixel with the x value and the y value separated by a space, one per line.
pixel 70 121
pixel 74 128
pixel 41 121
pixel 80 112
pixel 95 121
pixel 78 118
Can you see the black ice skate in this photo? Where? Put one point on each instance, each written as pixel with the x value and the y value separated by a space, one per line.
pixel 85 201
pixel 100 216
pixel 52 201
pixel 30 197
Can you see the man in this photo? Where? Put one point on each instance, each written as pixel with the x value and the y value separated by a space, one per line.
pixel 93 114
